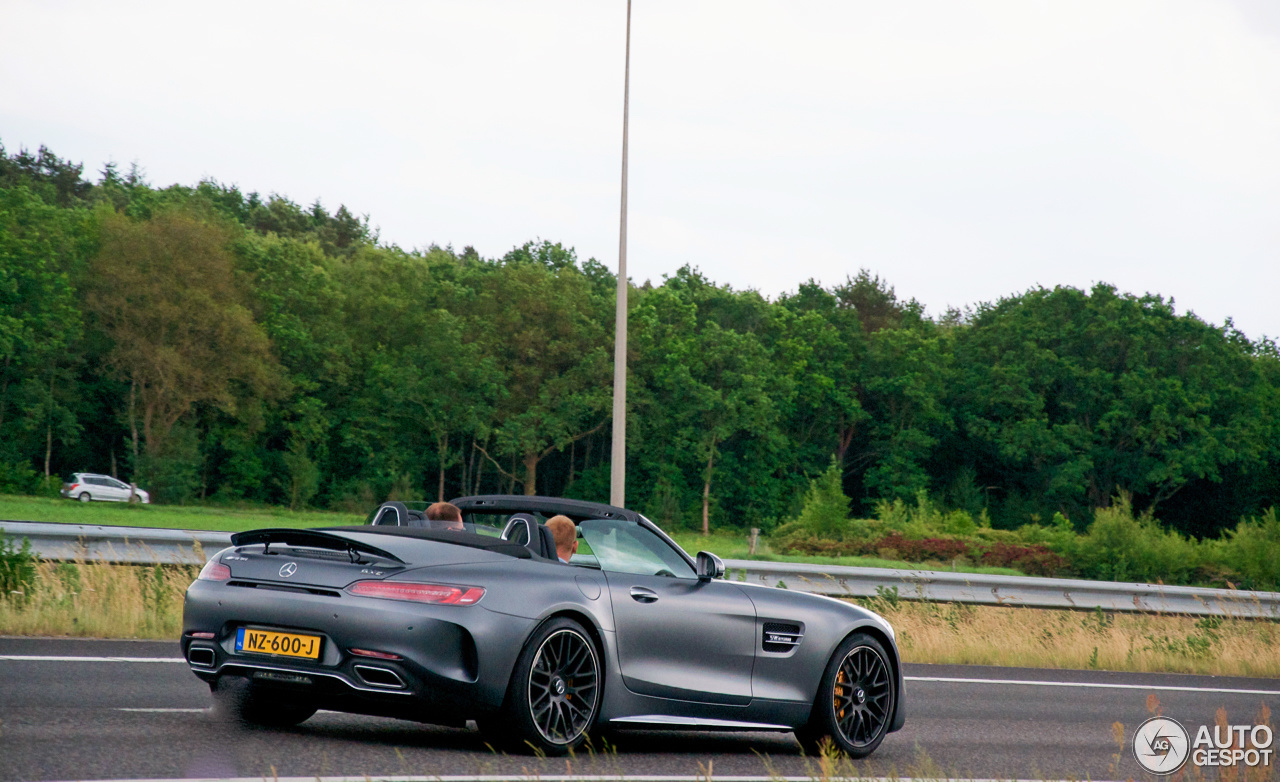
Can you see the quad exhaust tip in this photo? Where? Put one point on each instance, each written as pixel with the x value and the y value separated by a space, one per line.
pixel 200 656
pixel 379 677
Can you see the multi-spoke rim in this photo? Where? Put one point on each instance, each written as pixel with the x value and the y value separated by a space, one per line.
pixel 861 696
pixel 564 682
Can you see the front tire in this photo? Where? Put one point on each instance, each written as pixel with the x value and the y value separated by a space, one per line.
pixel 238 700
pixel 84 496
pixel 855 701
pixel 554 696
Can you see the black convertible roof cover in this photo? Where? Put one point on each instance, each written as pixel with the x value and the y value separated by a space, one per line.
pixel 455 537
pixel 549 506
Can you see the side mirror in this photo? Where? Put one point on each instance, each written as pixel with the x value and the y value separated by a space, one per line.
pixel 709 566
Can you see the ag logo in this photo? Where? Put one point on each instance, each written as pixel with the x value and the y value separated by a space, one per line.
pixel 1161 745
pixel 290 568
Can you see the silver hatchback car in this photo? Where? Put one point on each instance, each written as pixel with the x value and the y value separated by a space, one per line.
pixel 87 486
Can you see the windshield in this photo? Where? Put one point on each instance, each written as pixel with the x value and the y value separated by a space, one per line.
pixel 627 547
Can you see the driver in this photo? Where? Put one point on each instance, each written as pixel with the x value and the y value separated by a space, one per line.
pixel 566 535
pixel 445 515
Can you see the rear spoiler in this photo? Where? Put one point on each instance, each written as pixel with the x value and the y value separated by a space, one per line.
pixel 310 539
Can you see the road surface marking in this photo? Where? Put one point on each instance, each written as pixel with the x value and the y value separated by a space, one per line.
pixel 39 658
pixel 1093 685
pixel 527 778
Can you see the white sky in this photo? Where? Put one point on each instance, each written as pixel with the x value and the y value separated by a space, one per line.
pixel 962 150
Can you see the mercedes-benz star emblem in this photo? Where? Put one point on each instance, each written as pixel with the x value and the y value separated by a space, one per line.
pixel 289 569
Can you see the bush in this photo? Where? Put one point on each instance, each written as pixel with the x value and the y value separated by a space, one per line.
pixel 18 478
pixel 1252 550
pixel 925 519
pixel 17 568
pixel 1121 547
pixel 923 549
pixel 172 476
pixel 826 508
pixel 1034 560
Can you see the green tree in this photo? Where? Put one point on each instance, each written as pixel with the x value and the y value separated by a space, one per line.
pixel 165 292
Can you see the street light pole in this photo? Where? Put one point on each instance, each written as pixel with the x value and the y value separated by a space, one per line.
pixel 618 458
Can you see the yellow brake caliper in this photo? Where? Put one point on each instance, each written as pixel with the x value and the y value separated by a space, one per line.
pixel 839 693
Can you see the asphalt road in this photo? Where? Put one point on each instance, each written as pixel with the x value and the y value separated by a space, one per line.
pixel 75 719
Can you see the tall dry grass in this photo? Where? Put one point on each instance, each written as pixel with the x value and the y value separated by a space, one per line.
pixel 1040 638
pixel 99 601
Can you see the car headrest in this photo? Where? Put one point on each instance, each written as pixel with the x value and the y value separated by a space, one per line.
pixel 548 543
pixel 393 514
pixel 520 529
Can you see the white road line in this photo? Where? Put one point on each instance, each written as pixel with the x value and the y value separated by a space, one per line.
pixel 536 778
pixel 1090 685
pixel 166 711
pixel 39 658
pixel 941 679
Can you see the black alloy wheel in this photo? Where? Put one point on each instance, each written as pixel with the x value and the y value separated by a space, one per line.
pixel 855 700
pixel 555 693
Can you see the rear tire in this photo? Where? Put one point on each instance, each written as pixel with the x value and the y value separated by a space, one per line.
pixel 554 696
pixel 855 701
pixel 84 496
pixel 236 699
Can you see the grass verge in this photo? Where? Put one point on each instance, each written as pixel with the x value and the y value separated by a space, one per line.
pixel 952 633
pixel 123 601
pixel 20 508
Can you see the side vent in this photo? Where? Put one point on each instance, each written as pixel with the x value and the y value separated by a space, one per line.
pixel 781 637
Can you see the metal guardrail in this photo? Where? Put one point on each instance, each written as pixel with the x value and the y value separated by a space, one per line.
pixel 145 545
pixel 981 589
pixel 105 543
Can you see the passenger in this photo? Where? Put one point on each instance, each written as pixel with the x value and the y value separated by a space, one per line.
pixel 445 515
pixel 566 535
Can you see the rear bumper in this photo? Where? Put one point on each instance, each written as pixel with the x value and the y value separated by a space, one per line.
pixel 455 661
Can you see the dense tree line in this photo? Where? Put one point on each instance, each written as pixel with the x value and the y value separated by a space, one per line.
pixel 217 346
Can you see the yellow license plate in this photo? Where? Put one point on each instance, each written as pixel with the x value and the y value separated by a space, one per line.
pixel 273 642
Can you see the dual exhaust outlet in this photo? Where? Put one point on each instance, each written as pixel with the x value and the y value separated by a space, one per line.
pixel 371 675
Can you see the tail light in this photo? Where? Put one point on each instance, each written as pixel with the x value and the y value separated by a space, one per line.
pixel 437 594
pixel 73 487
pixel 214 570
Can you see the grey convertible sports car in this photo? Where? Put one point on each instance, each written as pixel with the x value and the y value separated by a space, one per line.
pixel 400 619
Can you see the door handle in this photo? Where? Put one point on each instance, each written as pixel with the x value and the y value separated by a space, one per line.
pixel 642 595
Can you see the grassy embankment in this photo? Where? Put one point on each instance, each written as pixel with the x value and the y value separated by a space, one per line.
pixel 22 508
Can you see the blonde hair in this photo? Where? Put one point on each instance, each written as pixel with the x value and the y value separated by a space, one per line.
pixel 564 530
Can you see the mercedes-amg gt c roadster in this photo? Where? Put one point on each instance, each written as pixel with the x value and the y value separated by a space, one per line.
pixel 440 625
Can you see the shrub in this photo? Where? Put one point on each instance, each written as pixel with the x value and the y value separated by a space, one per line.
pixel 17 568
pixel 826 508
pixel 1121 547
pixel 18 478
pixel 1252 549
pixel 925 519
pixel 923 549
pixel 1034 560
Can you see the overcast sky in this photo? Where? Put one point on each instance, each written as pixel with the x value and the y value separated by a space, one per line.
pixel 962 150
